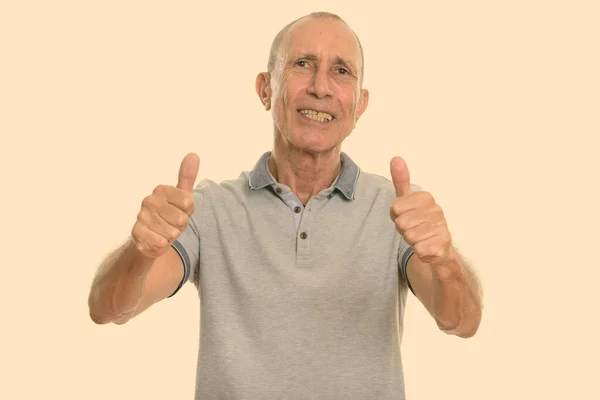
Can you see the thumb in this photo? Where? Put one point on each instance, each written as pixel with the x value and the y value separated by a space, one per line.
pixel 188 171
pixel 400 176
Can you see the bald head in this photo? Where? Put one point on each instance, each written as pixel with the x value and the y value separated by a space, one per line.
pixel 277 45
pixel 313 86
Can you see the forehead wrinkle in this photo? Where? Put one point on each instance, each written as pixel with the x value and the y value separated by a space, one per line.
pixel 282 46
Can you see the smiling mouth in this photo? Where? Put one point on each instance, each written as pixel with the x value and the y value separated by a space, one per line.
pixel 316 115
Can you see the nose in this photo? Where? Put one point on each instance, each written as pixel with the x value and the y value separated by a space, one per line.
pixel 320 86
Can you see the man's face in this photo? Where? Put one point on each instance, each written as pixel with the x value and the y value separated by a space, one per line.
pixel 315 96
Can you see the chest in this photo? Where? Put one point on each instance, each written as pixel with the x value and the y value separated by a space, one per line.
pixel 328 252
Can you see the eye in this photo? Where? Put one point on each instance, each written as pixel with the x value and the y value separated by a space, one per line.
pixel 301 63
pixel 343 71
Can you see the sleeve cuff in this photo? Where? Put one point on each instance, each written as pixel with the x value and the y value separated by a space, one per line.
pixel 186 265
pixel 405 257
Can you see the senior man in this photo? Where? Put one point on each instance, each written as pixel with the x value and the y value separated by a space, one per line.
pixel 304 263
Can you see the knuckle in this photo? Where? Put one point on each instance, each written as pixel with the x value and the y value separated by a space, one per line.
pixel 147 202
pixel 139 244
pixel 172 234
pixel 418 248
pixel 399 226
pixel 431 249
pixel 151 202
pixel 182 221
pixel 401 221
pixel 409 236
pixel 162 242
pixel 135 234
pixel 436 250
pixel 426 195
pixel 425 250
pixel 159 189
pixel 188 204
pixel 143 215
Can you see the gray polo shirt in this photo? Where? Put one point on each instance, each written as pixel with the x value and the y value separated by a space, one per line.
pixel 297 302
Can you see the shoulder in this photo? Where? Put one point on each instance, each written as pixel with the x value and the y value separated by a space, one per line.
pixel 230 188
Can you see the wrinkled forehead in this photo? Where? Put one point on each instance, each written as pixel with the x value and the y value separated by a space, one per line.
pixel 328 40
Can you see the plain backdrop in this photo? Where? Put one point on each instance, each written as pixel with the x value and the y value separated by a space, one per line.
pixel 494 105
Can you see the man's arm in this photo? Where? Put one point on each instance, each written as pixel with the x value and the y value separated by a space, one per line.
pixel 441 279
pixel 147 269
pixel 127 283
pixel 450 291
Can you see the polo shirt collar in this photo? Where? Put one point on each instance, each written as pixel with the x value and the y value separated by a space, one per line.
pixel 260 176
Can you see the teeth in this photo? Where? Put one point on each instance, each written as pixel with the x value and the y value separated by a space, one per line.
pixel 317 116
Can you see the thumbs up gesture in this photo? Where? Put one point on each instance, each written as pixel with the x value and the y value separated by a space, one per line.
pixel 418 218
pixel 164 214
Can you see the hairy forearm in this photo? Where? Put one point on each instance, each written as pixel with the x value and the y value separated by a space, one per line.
pixel 118 285
pixel 456 296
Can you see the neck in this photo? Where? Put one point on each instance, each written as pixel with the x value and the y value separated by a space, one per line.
pixel 305 173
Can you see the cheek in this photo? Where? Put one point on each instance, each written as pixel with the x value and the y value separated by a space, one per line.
pixel 282 97
pixel 276 99
pixel 280 112
pixel 350 101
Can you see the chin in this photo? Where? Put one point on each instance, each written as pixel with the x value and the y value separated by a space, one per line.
pixel 315 144
pixel 312 140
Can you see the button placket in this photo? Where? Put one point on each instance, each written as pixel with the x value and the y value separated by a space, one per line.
pixel 292 201
pixel 302 231
pixel 303 238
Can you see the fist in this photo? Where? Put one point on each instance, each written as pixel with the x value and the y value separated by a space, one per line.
pixel 418 218
pixel 164 214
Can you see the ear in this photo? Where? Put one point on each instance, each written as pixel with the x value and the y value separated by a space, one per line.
pixel 363 102
pixel 263 89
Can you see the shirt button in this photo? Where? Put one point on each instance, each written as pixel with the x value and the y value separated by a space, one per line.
pixel 303 235
pixel 278 190
pixel 329 196
pixel 297 209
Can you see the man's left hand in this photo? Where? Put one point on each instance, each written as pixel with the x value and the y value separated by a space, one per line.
pixel 418 218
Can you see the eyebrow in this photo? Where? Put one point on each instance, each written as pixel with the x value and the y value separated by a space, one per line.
pixel 337 59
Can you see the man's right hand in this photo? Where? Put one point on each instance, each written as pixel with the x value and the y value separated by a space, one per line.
pixel 164 214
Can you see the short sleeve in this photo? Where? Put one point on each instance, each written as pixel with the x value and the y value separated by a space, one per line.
pixel 187 244
pixel 405 251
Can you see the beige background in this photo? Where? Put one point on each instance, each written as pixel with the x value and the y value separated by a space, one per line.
pixel 494 105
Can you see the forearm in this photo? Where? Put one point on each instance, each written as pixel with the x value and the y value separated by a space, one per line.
pixel 455 297
pixel 118 285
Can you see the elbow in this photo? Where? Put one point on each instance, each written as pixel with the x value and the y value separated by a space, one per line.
pixel 460 331
pixel 96 315
pixel 101 316
pixel 98 319
pixel 467 333
pixel 465 329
